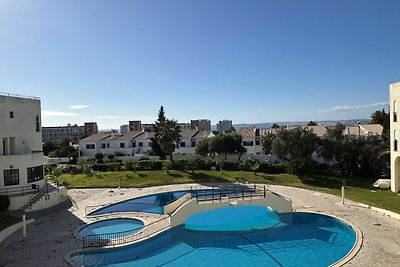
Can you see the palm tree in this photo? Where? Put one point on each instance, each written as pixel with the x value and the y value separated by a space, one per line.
pixel 168 136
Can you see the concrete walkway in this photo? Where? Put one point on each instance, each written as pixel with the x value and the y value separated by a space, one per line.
pixel 51 236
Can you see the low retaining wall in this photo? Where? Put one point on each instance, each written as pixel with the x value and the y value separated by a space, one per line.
pixel 276 202
pixel 170 208
pixel 12 229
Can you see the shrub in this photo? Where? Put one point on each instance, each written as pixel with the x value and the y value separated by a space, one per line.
pixel 4 203
pixel 166 165
pixel 99 157
pixel 110 156
pixel 149 165
pixel 107 167
pixel 273 168
pixel 180 164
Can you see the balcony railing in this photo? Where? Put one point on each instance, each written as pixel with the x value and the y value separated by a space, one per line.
pixel 19 96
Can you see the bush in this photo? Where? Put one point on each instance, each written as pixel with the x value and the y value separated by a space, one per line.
pixel 273 168
pixel 196 163
pixel 107 167
pixel 4 203
pixel 149 165
pixel 99 157
pixel 231 166
pixel 110 156
pixel 180 164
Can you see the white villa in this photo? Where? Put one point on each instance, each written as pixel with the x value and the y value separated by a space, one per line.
pixel 136 142
pixel 394 137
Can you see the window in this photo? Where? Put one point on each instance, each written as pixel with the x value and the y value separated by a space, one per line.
pixel 90 146
pixel 183 144
pixel 11 114
pixel 394 111
pixel 11 177
pixel 35 173
pixel 37 124
pixel 140 143
pixel 247 143
pixel 193 143
pixel 108 145
pixel 257 142
pixel 103 145
pixel 150 144
pixel 395 140
pixel 133 143
pixel 121 145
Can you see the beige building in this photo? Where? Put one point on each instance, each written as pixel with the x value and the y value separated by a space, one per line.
pixel 394 136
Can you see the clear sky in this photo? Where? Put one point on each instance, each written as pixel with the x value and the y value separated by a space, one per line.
pixel 247 61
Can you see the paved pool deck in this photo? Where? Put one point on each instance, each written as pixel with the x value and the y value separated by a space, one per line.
pixel 51 236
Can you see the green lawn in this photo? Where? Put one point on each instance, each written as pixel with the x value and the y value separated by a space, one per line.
pixel 7 220
pixel 359 189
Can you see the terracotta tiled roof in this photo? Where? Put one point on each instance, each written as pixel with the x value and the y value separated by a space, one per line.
pixel 320 131
pixel 188 133
pixel 129 135
pixel 373 129
pixel 96 137
pixel 144 136
pixel 203 134
pixel 247 132
pixel 364 130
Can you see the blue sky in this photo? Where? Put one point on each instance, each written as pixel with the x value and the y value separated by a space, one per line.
pixel 247 61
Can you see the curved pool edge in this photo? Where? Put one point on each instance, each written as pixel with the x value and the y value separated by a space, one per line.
pixel 356 247
pixel 357 244
pixel 80 237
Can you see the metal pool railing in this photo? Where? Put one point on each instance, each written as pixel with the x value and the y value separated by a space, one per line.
pixel 124 237
pixel 233 192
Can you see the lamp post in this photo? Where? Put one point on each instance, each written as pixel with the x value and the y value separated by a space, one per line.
pixel 270 162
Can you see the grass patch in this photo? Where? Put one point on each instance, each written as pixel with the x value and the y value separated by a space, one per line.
pixel 7 220
pixel 357 189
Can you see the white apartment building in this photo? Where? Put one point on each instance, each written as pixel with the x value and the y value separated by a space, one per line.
pixel 394 137
pixel 21 155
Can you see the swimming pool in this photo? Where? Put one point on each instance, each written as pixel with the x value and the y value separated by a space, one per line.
pixel 155 203
pixel 125 226
pixel 151 204
pixel 300 239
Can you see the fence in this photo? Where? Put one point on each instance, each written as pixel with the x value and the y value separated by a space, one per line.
pixel 19 191
pixel 233 192
pixel 124 237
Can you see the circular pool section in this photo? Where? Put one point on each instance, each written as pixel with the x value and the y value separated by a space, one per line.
pixel 124 226
pixel 300 239
pixel 232 219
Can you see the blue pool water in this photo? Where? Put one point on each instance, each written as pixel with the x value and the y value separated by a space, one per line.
pixel 150 204
pixel 241 218
pixel 124 225
pixel 300 239
pixel 155 203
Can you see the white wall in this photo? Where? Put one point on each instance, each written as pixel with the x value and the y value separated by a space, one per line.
pixel 394 126
pixel 23 144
